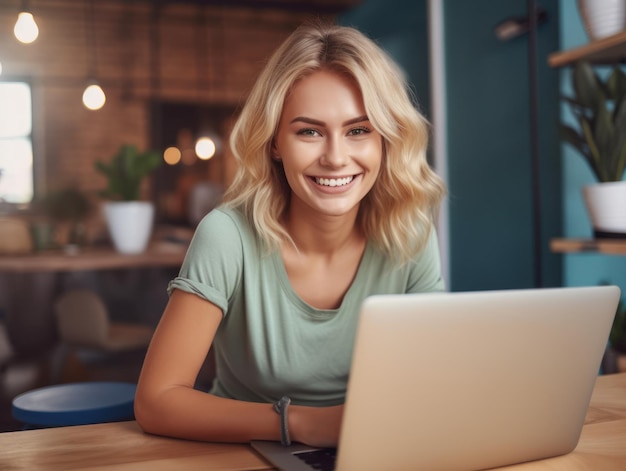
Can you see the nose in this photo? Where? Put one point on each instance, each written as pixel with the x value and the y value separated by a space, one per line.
pixel 335 153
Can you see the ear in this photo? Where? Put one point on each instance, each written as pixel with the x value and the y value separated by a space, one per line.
pixel 274 152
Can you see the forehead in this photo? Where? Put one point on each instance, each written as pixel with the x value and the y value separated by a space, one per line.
pixel 322 92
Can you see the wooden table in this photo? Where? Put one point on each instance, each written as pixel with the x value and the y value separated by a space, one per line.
pixel 122 445
pixel 104 258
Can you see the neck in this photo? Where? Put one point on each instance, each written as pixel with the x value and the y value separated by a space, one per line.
pixel 322 234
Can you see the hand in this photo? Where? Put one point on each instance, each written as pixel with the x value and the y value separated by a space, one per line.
pixel 315 426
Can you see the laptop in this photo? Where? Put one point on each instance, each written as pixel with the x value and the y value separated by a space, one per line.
pixel 467 381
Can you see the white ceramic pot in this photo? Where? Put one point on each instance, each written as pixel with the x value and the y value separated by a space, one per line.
pixel 606 206
pixel 130 224
pixel 602 18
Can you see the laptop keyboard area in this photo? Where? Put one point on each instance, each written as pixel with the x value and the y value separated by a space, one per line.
pixel 322 460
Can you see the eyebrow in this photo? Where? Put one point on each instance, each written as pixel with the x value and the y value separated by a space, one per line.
pixel 304 119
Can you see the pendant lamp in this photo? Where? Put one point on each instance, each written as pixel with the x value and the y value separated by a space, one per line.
pixel 93 96
pixel 26 29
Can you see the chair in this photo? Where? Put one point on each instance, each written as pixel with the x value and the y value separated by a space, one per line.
pixel 75 404
pixel 83 324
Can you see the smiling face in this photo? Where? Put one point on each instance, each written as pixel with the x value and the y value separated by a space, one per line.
pixel 330 152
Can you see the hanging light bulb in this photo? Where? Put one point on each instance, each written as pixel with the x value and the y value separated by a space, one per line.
pixel 26 29
pixel 205 148
pixel 172 155
pixel 94 97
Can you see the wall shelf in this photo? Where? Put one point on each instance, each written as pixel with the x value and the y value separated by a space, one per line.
pixel 602 246
pixel 607 50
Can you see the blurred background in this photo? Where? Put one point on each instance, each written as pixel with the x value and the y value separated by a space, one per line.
pixel 172 77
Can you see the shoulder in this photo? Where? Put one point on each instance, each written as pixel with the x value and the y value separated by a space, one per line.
pixel 419 274
pixel 224 222
pixel 426 272
pixel 222 218
pixel 224 228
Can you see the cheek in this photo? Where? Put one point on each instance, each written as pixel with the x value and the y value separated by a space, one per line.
pixel 298 156
pixel 373 151
pixel 293 169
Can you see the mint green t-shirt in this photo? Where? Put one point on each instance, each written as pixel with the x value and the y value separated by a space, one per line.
pixel 270 342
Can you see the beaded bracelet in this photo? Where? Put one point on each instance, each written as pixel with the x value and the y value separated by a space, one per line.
pixel 280 407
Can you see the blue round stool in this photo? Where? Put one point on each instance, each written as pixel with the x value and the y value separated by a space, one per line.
pixel 75 404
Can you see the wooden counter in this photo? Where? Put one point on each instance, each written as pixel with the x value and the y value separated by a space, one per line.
pixel 122 445
pixel 105 258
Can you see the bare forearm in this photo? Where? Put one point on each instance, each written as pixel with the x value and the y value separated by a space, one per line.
pixel 315 426
pixel 187 413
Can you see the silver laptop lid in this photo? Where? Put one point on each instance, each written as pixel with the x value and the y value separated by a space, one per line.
pixel 460 381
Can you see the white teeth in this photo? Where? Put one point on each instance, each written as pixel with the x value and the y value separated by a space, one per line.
pixel 333 181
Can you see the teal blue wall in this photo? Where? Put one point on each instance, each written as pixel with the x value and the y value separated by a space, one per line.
pixel 489 162
pixel 581 269
pixel 401 28
pixel 489 152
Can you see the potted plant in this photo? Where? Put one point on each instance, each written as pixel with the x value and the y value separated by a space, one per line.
pixel 128 218
pixel 599 106
pixel 69 206
pixel 602 18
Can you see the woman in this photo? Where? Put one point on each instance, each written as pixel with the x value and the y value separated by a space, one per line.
pixel 333 201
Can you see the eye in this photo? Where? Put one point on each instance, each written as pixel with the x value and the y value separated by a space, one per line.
pixel 359 131
pixel 308 132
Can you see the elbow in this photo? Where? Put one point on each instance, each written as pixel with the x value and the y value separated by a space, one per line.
pixel 167 412
pixel 141 416
pixel 146 415
pixel 156 412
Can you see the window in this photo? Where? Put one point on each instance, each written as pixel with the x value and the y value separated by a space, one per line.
pixel 16 146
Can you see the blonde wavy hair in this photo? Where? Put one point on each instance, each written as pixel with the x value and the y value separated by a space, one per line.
pixel 399 212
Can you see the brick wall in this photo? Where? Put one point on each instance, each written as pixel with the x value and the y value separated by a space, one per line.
pixel 179 53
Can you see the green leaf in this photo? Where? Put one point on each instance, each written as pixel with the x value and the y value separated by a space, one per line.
pixel 604 138
pixel 572 137
pixel 594 154
pixel 620 147
pixel 126 171
pixel 586 84
pixel 600 108
pixel 616 84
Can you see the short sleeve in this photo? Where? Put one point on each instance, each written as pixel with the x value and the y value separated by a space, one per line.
pixel 213 265
pixel 425 273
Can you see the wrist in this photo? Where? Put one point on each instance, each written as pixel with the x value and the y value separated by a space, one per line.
pixel 281 407
pixel 296 421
